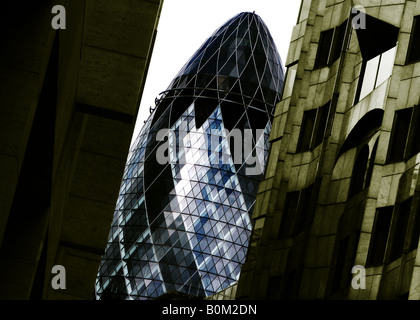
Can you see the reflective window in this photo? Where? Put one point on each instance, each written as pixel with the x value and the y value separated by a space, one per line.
pixel 376 71
pixel 288 215
pixel 184 224
pixel 306 130
pixel 379 236
pixel 413 53
pixel 405 135
pixel 304 10
pixel 297 212
pixel 377 44
pixel 400 223
pixel 324 47
pixel 415 233
pixel 290 81
pixel 330 45
pixel 359 171
pixel 313 128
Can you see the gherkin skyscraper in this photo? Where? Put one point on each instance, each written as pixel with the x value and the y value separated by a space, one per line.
pixel 182 220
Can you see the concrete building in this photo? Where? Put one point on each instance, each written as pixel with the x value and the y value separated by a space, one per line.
pixel 68 103
pixel 341 186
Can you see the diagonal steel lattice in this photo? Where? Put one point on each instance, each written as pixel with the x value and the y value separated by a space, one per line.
pixel 185 225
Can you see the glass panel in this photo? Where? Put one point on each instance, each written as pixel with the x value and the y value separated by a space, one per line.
pixel 288 86
pixel 306 130
pixel 385 68
pixel 304 10
pixel 399 134
pixel 403 213
pixel 174 222
pixel 321 123
pixel 324 46
pixel 414 48
pixel 369 77
pixel 379 236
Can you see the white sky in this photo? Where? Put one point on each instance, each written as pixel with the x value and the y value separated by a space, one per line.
pixel 185 24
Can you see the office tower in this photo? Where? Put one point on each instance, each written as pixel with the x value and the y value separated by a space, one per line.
pixel 182 219
pixel 337 214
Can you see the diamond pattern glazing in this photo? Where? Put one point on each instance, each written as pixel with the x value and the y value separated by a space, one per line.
pixel 184 224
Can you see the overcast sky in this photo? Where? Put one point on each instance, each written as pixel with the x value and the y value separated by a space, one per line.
pixel 185 24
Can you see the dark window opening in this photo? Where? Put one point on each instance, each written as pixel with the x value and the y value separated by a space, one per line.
pixel 321 122
pixel 179 106
pixel 313 128
pixel 377 45
pixel 399 134
pixel 403 296
pixel 413 53
pixel 402 213
pixel 203 108
pixel 291 284
pixel 305 210
pixel 413 142
pixel 289 213
pixel 339 34
pixel 161 108
pixel 324 46
pixel 371 164
pixel 359 171
pixel 308 124
pixel 273 288
pixel 350 263
pixel 343 247
pixel 233 115
pixel 297 212
pixel 346 255
pixel 415 233
pixel 330 45
pixel 379 238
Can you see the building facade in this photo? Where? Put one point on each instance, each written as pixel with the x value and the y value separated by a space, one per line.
pixel 69 98
pixel 182 221
pixel 337 214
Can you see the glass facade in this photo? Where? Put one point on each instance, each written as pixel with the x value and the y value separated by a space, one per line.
pixel 182 220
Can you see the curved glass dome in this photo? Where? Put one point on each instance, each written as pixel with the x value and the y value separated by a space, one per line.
pixel 183 224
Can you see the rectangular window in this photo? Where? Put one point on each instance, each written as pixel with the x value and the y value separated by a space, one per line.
pixel 339 34
pixel 413 52
pixel 375 71
pixel 324 47
pixel 386 66
pixel 313 128
pixel 306 130
pixel 369 76
pixel 379 238
pixel 413 142
pixel 305 210
pixel 290 81
pixel 343 248
pixel 297 212
pixel 330 44
pixel 291 286
pixel 405 135
pixel 289 214
pixel 415 233
pixel 321 122
pixel 400 228
pixel 345 258
pixel 305 6
pixel 399 134
pixel 274 287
